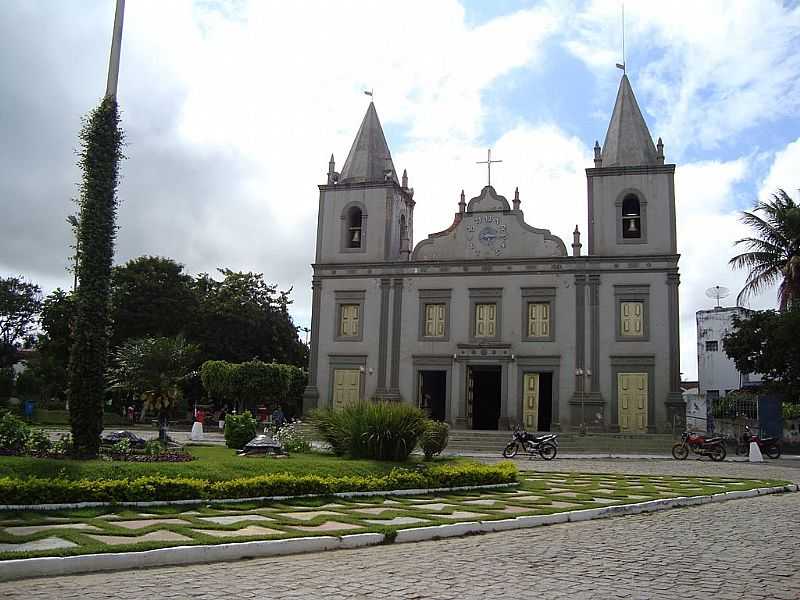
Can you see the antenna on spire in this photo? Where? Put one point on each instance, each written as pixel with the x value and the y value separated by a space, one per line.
pixel 370 92
pixel 622 65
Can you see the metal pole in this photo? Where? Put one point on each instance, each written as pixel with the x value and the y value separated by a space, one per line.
pixel 116 44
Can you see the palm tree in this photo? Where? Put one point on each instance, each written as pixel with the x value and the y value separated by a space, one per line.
pixel 774 253
pixel 153 368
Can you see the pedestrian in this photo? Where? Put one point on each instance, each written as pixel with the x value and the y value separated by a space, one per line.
pixel 221 418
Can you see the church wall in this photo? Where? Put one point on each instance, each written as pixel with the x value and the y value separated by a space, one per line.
pixel 656 189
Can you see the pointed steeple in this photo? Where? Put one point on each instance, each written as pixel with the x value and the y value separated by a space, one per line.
pixel 628 141
pixel 369 159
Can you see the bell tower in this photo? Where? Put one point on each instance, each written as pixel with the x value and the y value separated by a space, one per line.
pixel 366 213
pixel 631 191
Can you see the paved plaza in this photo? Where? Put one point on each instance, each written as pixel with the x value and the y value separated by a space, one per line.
pixel 741 548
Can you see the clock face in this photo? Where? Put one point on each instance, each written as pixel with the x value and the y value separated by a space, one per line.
pixel 491 234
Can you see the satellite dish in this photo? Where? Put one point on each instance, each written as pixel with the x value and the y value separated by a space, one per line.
pixel 718 292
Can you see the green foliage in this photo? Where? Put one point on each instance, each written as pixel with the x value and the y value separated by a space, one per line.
pixel 123 447
pixel 239 429
pixel 20 302
pixel 151 297
pixel 153 447
pixel 63 445
pixel 735 404
pixel 366 429
pixel 100 154
pixel 154 488
pixel 292 438
pixel 6 382
pixel 768 342
pixel 28 385
pixel 252 383
pixel 774 252
pixel 242 317
pixel 37 441
pixel 13 433
pixel 58 310
pixel 152 369
pixel 434 438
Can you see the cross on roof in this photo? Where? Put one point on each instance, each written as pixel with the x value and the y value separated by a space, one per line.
pixel 488 162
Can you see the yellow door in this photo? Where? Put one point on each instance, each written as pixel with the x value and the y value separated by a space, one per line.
pixel 632 399
pixel 530 401
pixel 347 387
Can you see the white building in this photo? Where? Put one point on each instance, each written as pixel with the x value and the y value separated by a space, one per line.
pixel 717 374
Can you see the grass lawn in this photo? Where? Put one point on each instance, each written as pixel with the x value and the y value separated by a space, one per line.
pixel 214 463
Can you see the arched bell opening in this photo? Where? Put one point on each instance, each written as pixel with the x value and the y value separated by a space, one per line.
pixel 631 217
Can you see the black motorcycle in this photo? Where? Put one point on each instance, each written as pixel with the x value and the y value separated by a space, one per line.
pixel 545 445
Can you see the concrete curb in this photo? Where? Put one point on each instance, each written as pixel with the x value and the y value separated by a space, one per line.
pixel 411 492
pixel 181 555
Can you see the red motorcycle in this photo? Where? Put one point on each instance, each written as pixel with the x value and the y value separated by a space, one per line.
pixel 699 444
pixel 771 446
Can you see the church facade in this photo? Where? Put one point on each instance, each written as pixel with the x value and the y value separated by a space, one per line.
pixel 493 322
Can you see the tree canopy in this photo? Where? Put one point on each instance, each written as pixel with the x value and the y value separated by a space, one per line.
pixel 773 255
pixel 20 302
pixel 768 342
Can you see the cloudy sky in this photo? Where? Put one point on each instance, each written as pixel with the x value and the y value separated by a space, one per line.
pixel 232 109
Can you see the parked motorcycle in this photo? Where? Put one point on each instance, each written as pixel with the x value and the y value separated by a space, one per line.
pixel 545 446
pixel 771 446
pixel 699 444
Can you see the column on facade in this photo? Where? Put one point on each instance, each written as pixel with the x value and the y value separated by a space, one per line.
pixel 676 407
pixel 397 321
pixel 383 334
pixel 580 348
pixel 311 393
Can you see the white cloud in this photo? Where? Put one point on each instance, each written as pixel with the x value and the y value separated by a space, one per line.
pixel 784 173
pixel 720 67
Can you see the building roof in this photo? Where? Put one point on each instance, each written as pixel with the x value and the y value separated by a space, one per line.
pixel 369 158
pixel 628 141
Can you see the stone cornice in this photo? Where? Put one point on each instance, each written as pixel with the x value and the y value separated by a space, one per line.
pixel 635 170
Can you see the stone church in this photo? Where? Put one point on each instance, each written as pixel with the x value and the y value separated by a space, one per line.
pixel 493 322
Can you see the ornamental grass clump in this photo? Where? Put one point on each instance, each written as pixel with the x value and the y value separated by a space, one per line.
pixel 434 438
pixel 378 430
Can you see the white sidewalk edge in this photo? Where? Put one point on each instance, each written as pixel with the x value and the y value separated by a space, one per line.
pixel 182 555
pixel 410 492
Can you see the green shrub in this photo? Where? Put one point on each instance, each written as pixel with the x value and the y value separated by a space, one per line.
pixel 123 446
pixel 6 383
pixel 239 429
pixel 153 447
pixel 28 385
pixel 380 430
pixel 158 488
pixel 434 438
pixel 292 438
pixel 13 433
pixel 63 445
pixel 37 441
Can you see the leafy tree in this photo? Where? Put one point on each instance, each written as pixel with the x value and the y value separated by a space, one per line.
pixel 151 296
pixel 768 342
pixel 100 154
pixel 243 318
pixel 773 254
pixel 20 302
pixel 154 369
pixel 58 310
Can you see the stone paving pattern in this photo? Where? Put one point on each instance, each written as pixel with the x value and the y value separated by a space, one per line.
pixel 737 549
pixel 95 530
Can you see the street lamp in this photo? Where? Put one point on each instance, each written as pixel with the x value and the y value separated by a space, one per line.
pixel 584 374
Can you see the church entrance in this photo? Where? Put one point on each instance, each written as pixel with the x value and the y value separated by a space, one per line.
pixel 432 393
pixel 483 396
pixel 537 401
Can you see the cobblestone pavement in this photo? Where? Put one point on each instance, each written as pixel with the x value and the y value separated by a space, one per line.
pixel 737 549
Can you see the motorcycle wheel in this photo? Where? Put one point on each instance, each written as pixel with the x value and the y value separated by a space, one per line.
pixel 773 451
pixel 718 453
pixel 548 451
pixel 510 451
pixel 742 449
pixel 680 451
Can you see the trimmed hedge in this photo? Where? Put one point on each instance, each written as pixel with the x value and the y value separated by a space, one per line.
pixel 142 489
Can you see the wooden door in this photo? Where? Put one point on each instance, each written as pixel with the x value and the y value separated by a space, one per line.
pixel 470 393
pixel 632 400
pixel 347 387
pixel 530 401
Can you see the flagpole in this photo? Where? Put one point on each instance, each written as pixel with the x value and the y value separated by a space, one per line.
pixel 116 44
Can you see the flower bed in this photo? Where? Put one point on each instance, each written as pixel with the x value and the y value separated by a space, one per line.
pixel 156 488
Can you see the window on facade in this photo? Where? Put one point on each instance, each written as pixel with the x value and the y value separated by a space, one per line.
pixel 712 346
pixel 631 217
pixel 434 320
pixel 538 319
pixel 631 319
pixel 485 320
pixel 353 231
pixel 349 317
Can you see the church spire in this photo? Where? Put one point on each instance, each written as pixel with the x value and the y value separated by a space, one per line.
pixel 628 141
pixel 369 159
